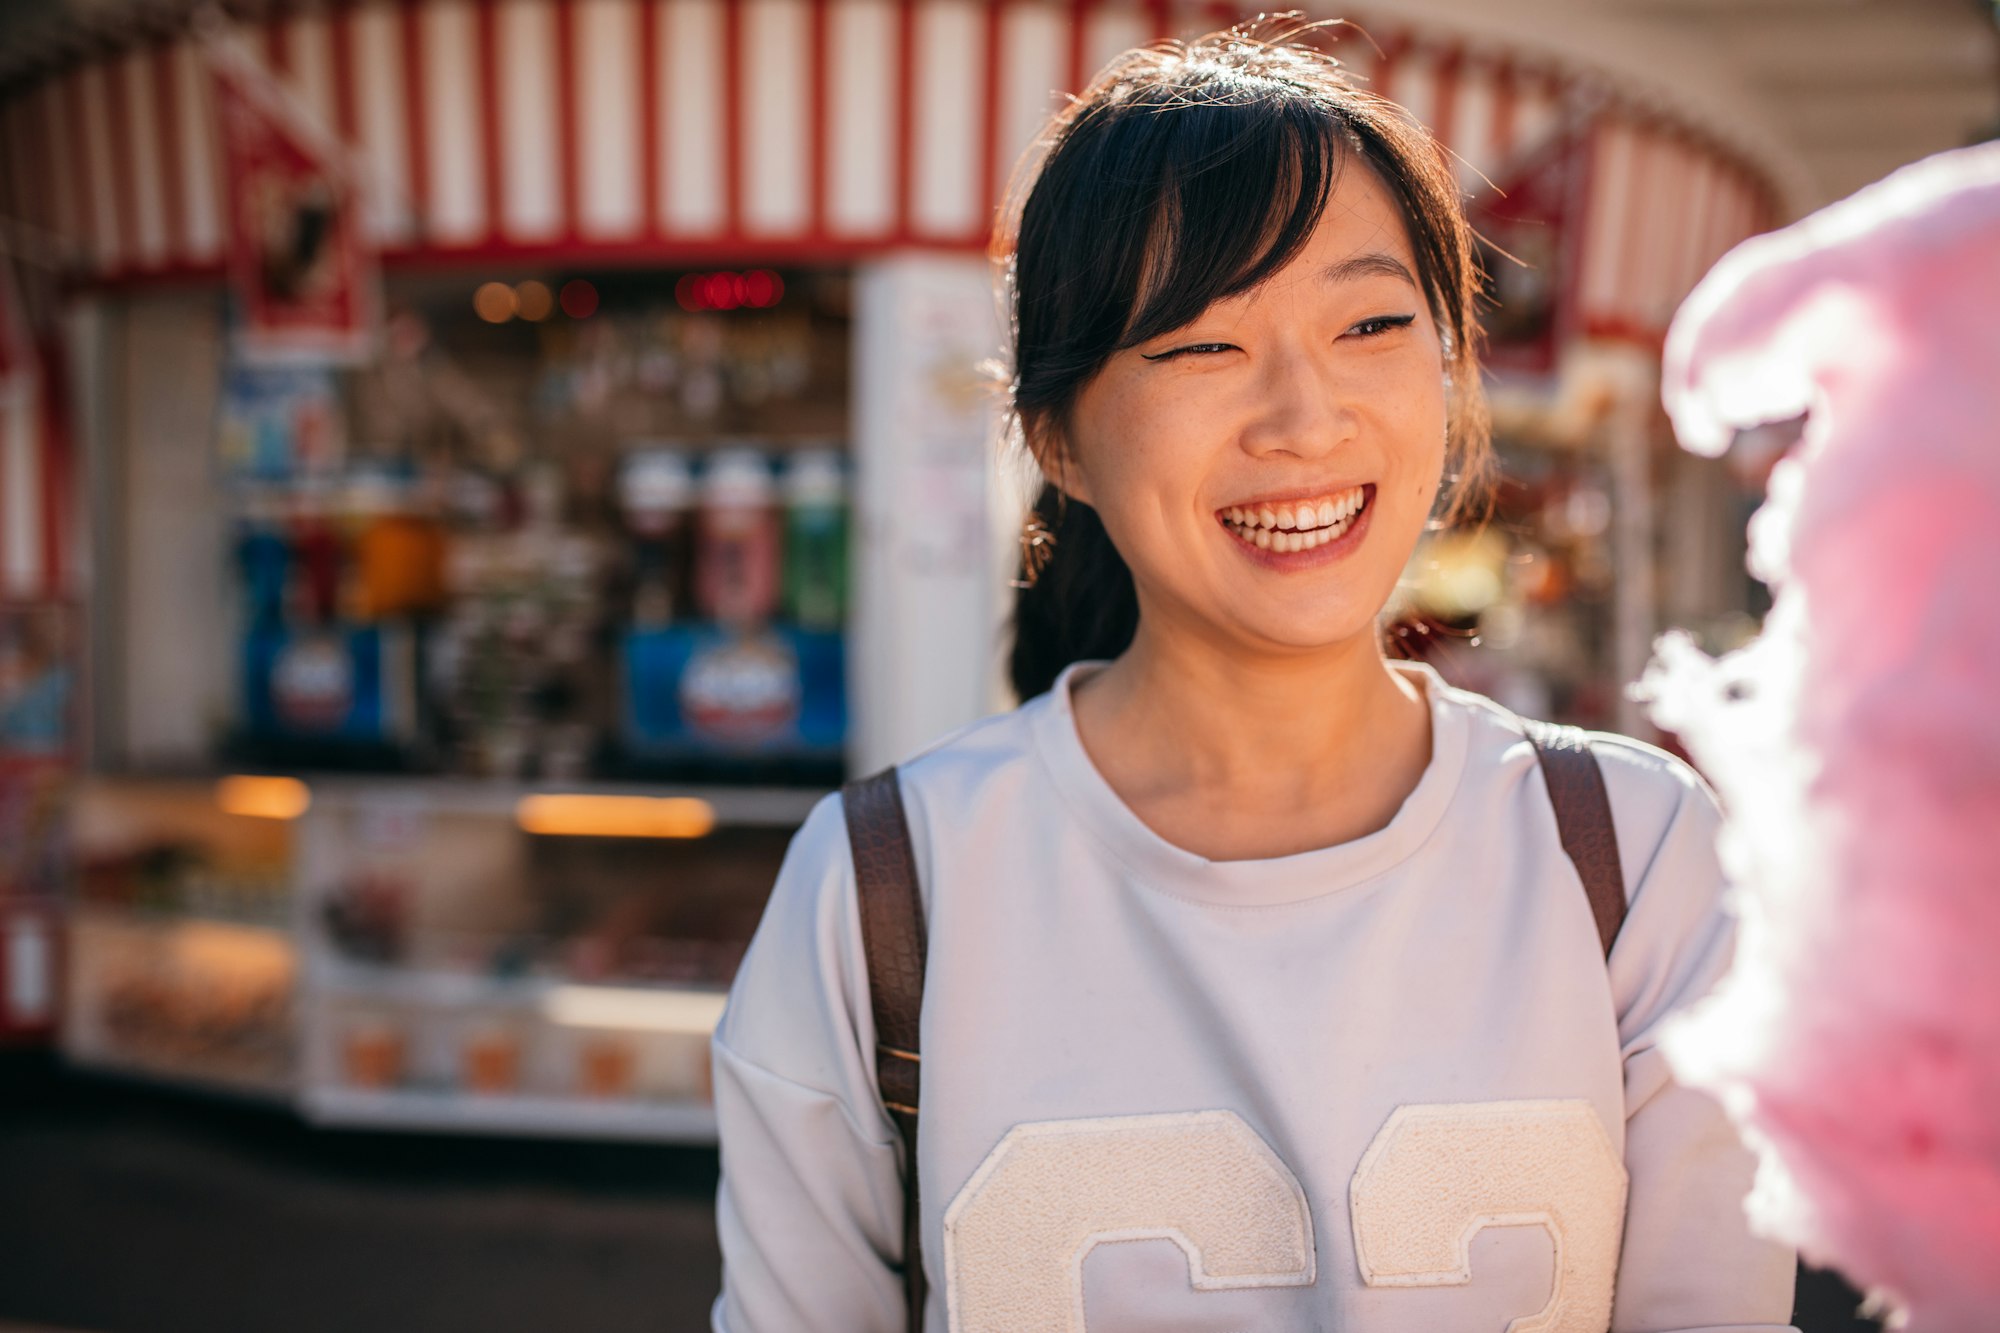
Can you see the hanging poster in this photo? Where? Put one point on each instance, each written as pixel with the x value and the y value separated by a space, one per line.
pixel 305 280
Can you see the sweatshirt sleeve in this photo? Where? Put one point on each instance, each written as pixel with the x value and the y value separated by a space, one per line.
pixel 809 1210
pixel 1689 1260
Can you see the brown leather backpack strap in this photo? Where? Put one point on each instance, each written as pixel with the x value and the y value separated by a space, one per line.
pixel 1583 819
pixel 893 939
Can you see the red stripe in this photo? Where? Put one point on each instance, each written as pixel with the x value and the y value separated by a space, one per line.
pixel 167 124
pixel 1503 115
pixel 568 135
pixel 278 47
pixel 1381 79
pixel 487 62
pixel 1222 15
pixel 1079 25
pixel 906 112
pixel 989 142
pixel 816 104
pixel 80 151
pixel 732 117
pixel 346 118
pixel 649 116
pixel 1444 99
pixel 56 465
pixel 13 170
pixel 414 117
pixel 1161 12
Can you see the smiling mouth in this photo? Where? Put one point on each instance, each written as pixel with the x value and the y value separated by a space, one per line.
pixel 1298 525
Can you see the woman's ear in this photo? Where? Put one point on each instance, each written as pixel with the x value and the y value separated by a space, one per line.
pixel 1050 447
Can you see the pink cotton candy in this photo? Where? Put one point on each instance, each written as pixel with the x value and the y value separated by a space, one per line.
pixel 1857 741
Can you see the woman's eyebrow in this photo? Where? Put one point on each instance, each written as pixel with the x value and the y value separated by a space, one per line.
pixel 1373 263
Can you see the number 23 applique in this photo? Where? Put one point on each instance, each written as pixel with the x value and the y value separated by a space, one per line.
pixel 1017 1235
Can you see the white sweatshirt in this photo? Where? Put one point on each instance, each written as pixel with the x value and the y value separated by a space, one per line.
pixel 1388 1086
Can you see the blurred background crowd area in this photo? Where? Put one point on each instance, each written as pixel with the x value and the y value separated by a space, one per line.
pixel 474 472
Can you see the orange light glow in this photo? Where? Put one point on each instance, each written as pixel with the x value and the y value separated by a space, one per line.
pixel 615 816
pixel 494 302
pixel 533 301
pixel 263 798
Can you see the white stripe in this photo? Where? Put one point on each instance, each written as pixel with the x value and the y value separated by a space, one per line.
pixel 1356 55
pixel 1701 211
pixel 1660 202
pixel 1109 33
pixel 21 496
pixel 861 106
pixel 945 197
pixel 691 113
pixel 776 146
pixel 201 173
pixel 381 121
pixel 1537 114
pixel 103 220
pixel 1031 77
pixel 1677 260
pixel 1414 85
pixel 525 51
pixel 607 85
pixel 455 154
pixel 148 190
pixel 1472 125
pixel 311 45
pixel 1608 214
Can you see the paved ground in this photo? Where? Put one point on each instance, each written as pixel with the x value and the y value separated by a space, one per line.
pixel 128 1210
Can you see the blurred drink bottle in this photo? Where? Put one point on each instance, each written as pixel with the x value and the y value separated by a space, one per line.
pixel 816 540
pixel 656 492
pixel 737 539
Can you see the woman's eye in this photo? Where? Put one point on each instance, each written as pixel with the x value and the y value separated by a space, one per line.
pixel 1375 328
pixel 1173 352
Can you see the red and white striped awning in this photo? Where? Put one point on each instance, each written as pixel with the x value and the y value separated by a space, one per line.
pixel 660 129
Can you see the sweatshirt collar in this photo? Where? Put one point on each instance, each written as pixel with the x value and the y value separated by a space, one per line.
pixel 1272 881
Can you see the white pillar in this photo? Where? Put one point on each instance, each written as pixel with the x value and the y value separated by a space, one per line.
pixel 928 581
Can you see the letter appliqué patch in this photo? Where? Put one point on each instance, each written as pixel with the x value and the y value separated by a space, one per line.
pixel 1435 1176
pixel 1016 1236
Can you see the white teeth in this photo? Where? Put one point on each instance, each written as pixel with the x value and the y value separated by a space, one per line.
pixel 1296 528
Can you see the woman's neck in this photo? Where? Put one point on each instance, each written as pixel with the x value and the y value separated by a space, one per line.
pixel 1267 755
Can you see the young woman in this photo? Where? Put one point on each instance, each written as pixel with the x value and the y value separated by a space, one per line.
pixel 1261 993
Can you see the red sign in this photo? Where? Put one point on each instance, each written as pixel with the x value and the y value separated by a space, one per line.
pixel 305 279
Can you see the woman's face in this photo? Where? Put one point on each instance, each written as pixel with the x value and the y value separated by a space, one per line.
pixel 1267 470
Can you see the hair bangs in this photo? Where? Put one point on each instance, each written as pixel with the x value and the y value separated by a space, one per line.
pixel 1237 198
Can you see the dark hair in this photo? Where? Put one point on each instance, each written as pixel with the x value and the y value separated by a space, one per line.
pixel 1187 173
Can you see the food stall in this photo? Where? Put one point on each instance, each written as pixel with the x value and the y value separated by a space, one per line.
pixel 526 453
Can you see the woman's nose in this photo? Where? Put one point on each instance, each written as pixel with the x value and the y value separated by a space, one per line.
pixel 1301 410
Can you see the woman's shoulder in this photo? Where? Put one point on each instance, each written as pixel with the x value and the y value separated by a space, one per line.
pixel 1655 795
pixel 1636 769
pixel 967 767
